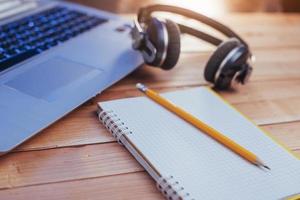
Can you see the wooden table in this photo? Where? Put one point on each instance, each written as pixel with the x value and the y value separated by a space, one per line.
pixel 76 158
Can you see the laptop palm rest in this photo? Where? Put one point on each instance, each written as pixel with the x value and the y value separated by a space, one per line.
pixel 50 79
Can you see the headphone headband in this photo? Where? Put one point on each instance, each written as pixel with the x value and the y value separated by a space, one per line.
pixel 144 16
pixel 228 64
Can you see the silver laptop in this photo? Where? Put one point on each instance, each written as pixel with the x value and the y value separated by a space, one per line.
pixel 53 57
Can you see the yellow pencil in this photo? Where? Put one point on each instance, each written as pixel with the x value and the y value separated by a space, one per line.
pixel 213 133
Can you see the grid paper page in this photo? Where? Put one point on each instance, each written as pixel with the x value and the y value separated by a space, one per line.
pixel 206 169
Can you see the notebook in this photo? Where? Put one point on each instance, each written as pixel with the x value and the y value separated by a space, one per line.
pixel 188 164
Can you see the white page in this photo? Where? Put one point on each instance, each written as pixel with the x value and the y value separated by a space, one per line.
pixel 206 169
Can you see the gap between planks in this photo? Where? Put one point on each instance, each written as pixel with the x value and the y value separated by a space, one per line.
pixel 69 164
pixel 136 185
pixel 261 103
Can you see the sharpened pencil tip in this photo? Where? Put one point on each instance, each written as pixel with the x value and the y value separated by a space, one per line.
pixel 141 87
pixel 261 164
pixel 265 166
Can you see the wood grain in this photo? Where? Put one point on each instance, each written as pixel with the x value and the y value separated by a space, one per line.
pixel 287 133
pixel 268 74
pixel 67 164
pixel 119 187
pixel 76 158
pixel 62 164
pixel 279 64
pixel 271 103
pixel 260 30
pixel 93 160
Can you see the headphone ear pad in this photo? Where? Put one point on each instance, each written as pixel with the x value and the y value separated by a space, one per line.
pixel 173 49
pixel 155 33
pixel 217 58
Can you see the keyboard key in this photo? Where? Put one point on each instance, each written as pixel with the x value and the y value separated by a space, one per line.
pixel 16 59
pixel 34 34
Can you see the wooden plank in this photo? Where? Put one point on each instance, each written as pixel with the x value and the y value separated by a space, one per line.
pixel 120 187
pixel 90 161
pixel 77 170
pixel 260 30
pixel 78 128
pixel 244 19
pixel 256 38
pixel 258 100
pixel 126 186
pixel 263 102
pixel 271 111
pixel 263 19
pixel 263 91
pixel 286 133
pixel 277 64
pixel 254 91
pixel 179 78
pixel 185 75
pixel 62 164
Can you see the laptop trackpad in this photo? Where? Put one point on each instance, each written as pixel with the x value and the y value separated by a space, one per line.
pixel 45 79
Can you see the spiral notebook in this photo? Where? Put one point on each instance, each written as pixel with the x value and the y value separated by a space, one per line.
pixel 186 163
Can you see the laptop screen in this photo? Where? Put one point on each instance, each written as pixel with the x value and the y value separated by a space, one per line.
pixel 13 7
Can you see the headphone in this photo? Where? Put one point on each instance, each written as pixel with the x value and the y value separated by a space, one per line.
pixel 159 43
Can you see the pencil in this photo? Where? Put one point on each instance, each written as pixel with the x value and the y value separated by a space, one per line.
pixel 213 133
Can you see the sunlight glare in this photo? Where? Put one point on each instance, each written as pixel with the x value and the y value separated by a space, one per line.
pixel 210 8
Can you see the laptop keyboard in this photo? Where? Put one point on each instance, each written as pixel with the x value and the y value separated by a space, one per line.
pixel 34 34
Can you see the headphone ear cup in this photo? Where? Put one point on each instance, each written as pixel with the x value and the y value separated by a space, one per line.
pixel 155 33
pixel 173 49
pixel 217 58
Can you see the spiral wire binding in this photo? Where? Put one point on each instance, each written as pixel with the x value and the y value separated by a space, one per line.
pixel 114 124
pixel 172 189
pixel 169 187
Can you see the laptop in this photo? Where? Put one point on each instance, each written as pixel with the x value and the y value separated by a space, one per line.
pixel 54 56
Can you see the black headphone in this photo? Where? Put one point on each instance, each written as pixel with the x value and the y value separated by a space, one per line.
pixel 159 43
